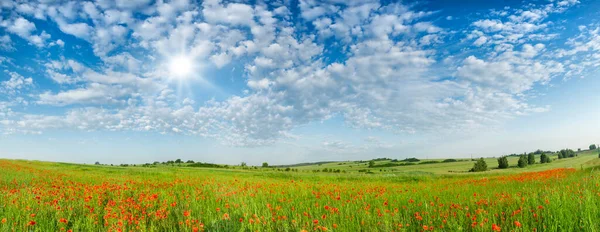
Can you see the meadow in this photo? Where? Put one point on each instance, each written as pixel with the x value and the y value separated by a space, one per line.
pixel 560 196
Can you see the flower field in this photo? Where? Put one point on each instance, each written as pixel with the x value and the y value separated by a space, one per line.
pixel 37 196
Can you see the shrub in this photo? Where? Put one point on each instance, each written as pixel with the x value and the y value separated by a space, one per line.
pixel 522 162
pixel 411 160
pixel 531 159
pixel 503 162
pixel 430 162
pixel 544 158
pixel 449 160
pixel 479 166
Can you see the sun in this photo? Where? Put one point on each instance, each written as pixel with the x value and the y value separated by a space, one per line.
pixel 181 66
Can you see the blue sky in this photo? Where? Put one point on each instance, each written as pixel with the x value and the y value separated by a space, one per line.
pixel 134 81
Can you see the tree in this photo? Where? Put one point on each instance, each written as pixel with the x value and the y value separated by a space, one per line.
pixel 503 162
pixel 479 166
pixel 265 165
pixel 544 158
pixel 371 163
pixel 190 162
pixel 531 159
pixel 178 161
pixel 243 164
pixel 593 147
pixel 522 161
pixel 97 163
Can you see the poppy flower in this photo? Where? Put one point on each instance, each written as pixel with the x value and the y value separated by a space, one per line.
pixel 517 224
pixel 495 227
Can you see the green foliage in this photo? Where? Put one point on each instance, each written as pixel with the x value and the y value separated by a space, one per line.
pixel 243 164
pixel 411 160
pixel 266 165
pixel 479 166
pixel 522 161
pixel 566 153
pixel 204 165
pixel 390 164
pixel 531 158
pixel 371 163
pixel 430 162
pixel 449 161
pixel 503 162
pixel 593 147
pixel 544 158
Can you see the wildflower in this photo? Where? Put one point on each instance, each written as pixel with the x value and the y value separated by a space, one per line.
pixel 517 224
pixel 3 220
pixel 316 221
pixel 335 225
pixel 226 216
pixel 32 215
pixel 62 220
pixel 186 213
pixel 324 216
pixel 495 227
pixel 241 219
pixel 31 223
pixel 425 227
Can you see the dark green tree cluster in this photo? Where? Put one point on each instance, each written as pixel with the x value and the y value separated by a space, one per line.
pixel 503 162
pixel 523 161
pixel 371 163
pixel 531 159
pixel 479 166
pixel 566 153
pixel 545 158
pixel 593 147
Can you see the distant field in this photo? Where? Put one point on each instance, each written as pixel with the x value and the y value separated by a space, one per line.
pixel 584 159
pixel 43 196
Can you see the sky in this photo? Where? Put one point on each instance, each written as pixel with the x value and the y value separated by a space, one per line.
pixel 288 81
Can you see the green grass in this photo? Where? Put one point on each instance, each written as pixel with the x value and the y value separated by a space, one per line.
pixel 409 198
pixel 461 167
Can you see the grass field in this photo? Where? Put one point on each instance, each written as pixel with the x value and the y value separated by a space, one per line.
pixel 560 196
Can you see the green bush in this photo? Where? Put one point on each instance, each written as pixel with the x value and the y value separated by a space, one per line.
pixel 522 162
pixel 503 162
pixel 411 160
pixel 544 158
pixel 531 159
pixel 479 166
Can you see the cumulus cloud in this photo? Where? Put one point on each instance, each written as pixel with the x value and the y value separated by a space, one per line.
pixel 386 71
pixel 15 83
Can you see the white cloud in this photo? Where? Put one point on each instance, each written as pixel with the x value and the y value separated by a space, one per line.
pixel 388 75
pixel 93 94
pixel 6 43
pixel 22 27
pixel 232 13
pixel 15 83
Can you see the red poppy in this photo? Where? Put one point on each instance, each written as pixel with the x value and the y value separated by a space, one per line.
pixel 495 227
pixel 517 224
